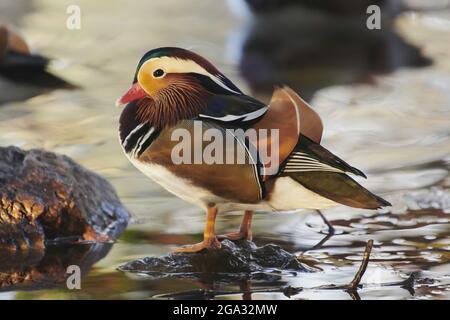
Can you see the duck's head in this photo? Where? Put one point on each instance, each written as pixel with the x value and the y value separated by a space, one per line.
pixel 172 74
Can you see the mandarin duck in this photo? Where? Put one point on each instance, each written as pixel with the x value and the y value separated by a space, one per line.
pixel 175 90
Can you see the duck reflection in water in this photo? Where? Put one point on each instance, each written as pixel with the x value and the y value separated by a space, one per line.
pixel 310 45
pixel 24 74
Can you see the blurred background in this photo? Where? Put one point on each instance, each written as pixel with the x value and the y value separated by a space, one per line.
pixel 383 95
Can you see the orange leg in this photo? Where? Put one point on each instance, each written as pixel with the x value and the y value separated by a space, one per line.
pixel 245 231
pixel 209 234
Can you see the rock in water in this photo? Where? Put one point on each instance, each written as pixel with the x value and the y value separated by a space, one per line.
pixel 45 197
pixel 233 260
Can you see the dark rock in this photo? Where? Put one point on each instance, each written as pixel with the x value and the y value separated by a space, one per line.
pixel 233 260
pixel 45 197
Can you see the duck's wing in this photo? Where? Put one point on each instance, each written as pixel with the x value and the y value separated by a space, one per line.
pixel 277 131
pixel 322 172
pixel 311 125
pixel 237 110
pixel 340 188
pixel 288 116
pixel 311 156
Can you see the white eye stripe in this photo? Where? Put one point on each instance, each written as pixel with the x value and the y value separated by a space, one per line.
pixel 177 65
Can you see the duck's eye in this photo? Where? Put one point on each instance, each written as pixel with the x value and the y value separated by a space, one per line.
pixel 158 73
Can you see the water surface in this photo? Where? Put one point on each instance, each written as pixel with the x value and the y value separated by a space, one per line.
pixel 394 127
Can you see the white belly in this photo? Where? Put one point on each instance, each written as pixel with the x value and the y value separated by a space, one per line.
pixel 180 187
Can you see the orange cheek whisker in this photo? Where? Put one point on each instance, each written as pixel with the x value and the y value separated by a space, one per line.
pixel 183 98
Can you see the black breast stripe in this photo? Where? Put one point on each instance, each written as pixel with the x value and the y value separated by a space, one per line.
pixel 132 139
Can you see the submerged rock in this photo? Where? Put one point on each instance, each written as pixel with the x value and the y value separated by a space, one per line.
pixel 233 260
pixel 45 197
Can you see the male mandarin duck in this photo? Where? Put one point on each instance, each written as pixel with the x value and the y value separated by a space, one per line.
pixel 174 89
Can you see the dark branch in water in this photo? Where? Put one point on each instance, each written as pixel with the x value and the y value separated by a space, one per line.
pixel 331 233
pixel 354 294
pixel 331 229
pixel 352 286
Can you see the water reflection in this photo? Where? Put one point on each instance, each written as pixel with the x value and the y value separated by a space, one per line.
pixel 310 45
pixel 394 264
pixel 38 270
pixel 399 253
pixel 338 7
pixel 25 76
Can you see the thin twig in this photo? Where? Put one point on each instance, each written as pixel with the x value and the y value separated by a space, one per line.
pixel 331 229
pixel 320 243
pixel 362 268
pixel 354 294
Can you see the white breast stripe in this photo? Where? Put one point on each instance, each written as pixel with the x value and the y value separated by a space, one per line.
pixel 125 142
pixel 142 140
pixel 136 146
pixel 231 117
